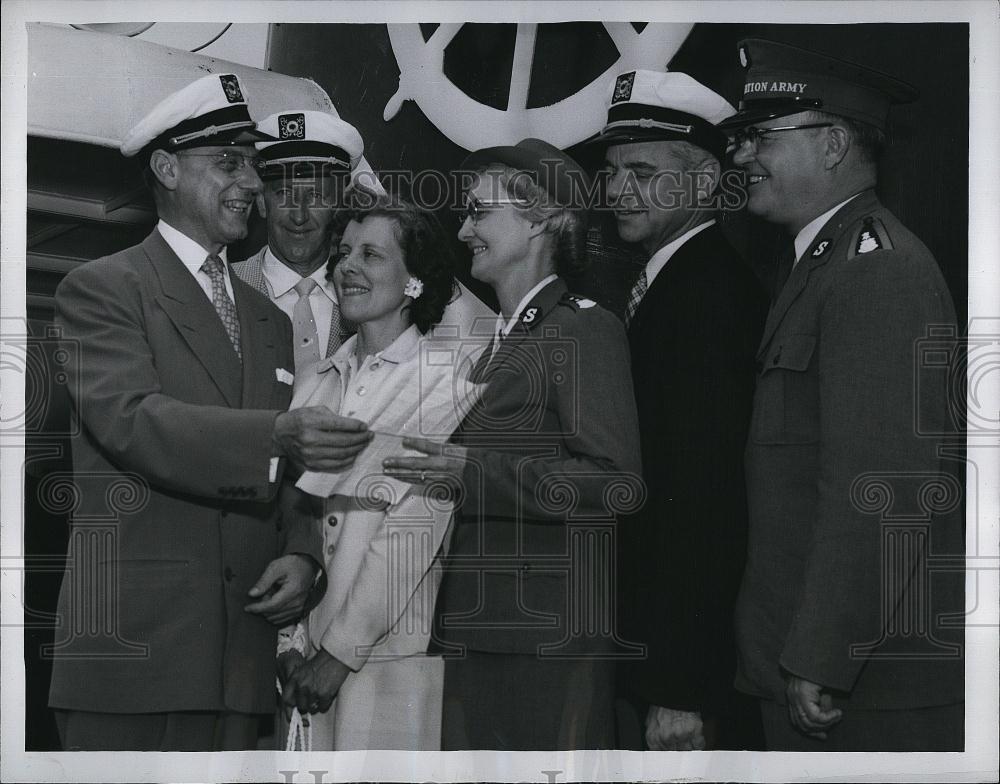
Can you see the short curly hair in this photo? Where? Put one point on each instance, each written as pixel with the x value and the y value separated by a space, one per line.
pixel 427 253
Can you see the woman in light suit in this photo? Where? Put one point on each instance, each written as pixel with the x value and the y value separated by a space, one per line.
pixel 359 671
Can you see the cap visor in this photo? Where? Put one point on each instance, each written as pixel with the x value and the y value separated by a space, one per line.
pixel 751 115
pixel 629 135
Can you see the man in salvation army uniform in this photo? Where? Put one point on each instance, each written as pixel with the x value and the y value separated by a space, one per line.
pixel 838 615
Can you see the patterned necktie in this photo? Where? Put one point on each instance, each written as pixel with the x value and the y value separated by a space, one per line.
pixel 635 297
pixel 223 304
pixel 336 336
pixel 304 326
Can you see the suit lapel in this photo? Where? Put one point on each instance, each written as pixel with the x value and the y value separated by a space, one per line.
pixel 260 358
pixel 195 318
pixel 789 293
pixel 797 281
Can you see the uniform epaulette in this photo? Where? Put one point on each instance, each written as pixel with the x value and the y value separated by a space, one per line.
pixel 576 302
pixel 871 236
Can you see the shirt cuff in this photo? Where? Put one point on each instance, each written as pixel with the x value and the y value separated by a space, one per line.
pixel 272 471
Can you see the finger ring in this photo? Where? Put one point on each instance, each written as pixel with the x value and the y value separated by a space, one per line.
pixel 423 476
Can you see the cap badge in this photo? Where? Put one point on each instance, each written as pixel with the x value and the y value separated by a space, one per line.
pixel 292 126
pixel 231 86
pixel 623 87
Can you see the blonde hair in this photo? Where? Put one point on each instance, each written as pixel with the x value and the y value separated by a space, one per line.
pixel 566 224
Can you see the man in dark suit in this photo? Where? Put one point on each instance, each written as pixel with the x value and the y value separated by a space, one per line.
pixel 182 386
pixel 694 317
pixel 838 620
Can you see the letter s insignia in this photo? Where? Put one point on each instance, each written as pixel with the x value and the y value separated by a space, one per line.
pixel 820 248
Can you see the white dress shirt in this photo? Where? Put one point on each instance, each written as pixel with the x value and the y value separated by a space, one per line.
pixel 281 280
pixel 804 239
pixel 193 256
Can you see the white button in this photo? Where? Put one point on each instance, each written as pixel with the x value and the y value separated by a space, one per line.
pixel 330 549
pixel 361 391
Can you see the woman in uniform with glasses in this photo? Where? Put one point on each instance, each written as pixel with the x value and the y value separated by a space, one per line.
pixel 540 466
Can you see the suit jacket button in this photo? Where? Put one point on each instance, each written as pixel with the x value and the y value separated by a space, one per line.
pixel 777 358
pixel 525 567
pixel 228 574
pixel 331 520
pixel 330 549
pixel 224 513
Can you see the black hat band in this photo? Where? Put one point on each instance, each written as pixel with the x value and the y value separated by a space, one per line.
pixel 229 118
pixel 675 124
pixel 284 151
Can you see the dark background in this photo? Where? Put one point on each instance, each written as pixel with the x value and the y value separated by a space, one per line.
pixel 923 175
pixel 924 180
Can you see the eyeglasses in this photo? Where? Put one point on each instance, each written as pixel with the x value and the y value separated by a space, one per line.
pixel 754 134
pixel 230 161
pixel 475 208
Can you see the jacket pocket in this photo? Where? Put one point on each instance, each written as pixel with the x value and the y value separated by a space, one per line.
pixel 786 402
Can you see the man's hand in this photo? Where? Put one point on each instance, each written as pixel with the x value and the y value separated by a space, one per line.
pixel 285 585
pixel 316 439
pixel 436 467
pixel 312 687
pixel 810 708
pixel 673 730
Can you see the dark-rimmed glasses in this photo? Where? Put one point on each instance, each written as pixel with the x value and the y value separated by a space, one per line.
pixel 476 208
pixel 230 161
pixel 753 134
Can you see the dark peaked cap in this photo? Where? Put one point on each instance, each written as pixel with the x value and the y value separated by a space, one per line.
pixel 783 80
pixel 552 169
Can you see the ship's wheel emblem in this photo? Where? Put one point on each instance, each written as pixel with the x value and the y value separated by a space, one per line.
pixel 473 125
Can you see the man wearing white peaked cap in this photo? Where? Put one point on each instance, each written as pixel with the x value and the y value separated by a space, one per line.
pixel 182 386
pixel 693 318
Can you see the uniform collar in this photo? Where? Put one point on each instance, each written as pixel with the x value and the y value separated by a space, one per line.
pixel 504 329
pixel 804 239
pixel 281 278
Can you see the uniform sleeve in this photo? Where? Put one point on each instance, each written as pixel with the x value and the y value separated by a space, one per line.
pixel 869 326
pixel 198 449
pixel 593 463
pixel 397 562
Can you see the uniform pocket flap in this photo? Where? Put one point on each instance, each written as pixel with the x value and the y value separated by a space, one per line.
pixel 792 352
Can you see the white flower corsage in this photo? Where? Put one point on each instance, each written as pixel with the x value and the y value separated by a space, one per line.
pixel 414 288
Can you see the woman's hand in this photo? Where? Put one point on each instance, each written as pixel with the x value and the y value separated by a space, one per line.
pixel 313 685
pixel 437 466
pixel 288 663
